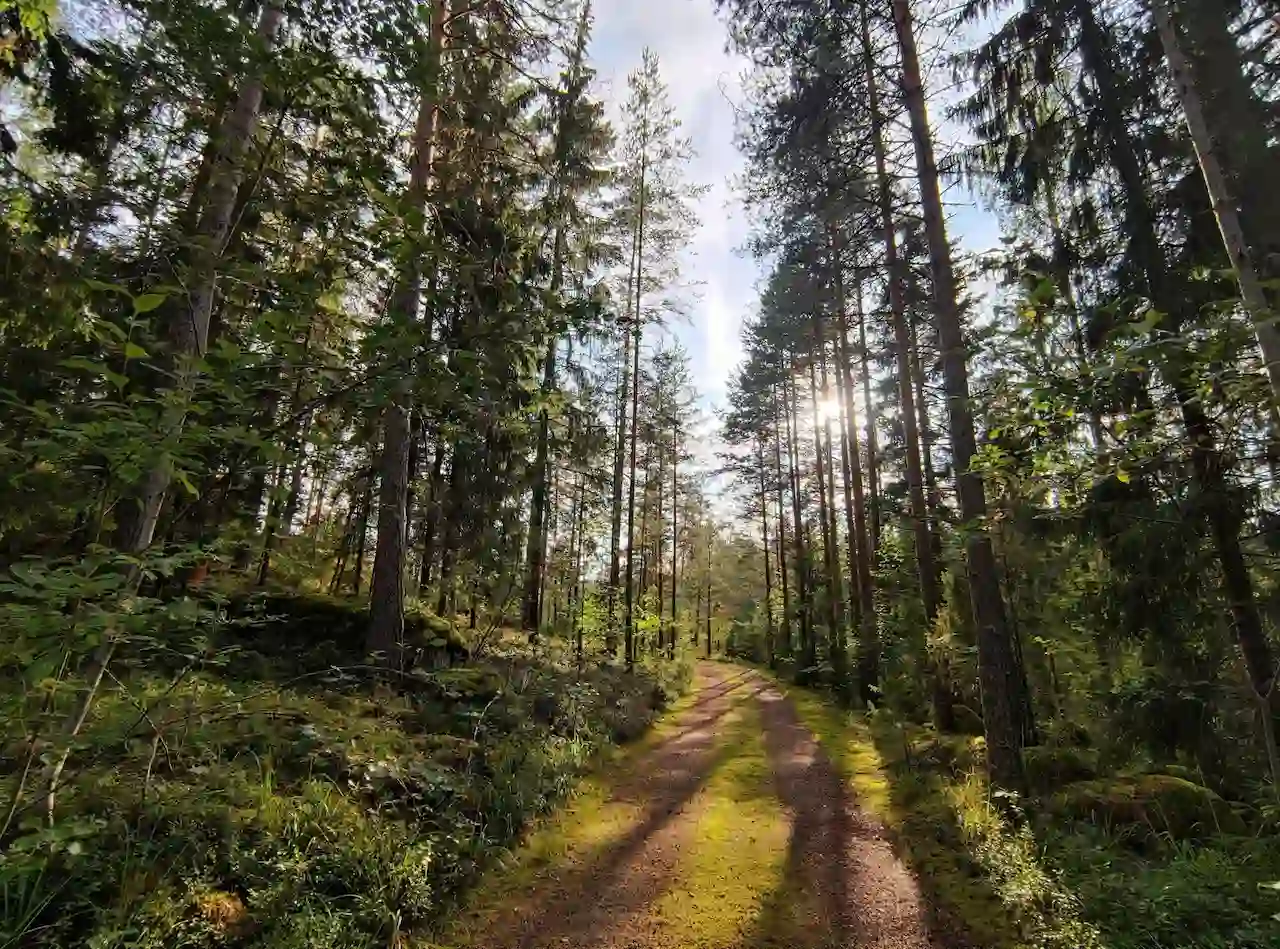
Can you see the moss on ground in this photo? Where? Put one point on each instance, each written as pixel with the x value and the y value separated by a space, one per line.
pixel 739 855
pixel 250 800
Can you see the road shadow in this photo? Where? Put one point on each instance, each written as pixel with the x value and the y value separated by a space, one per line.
pixel 842 884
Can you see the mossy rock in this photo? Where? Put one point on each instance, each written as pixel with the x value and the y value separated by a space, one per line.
pixel 287 622
pixel 1149 803
pixel 1050 767
pixel 432 641
pixel 472 684
pixel 968 722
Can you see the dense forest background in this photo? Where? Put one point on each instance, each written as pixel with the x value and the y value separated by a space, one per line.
pixel 343 437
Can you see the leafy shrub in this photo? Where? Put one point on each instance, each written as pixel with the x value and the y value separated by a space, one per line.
pixel 249 813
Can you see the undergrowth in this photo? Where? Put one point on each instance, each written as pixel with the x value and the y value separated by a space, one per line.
pixel 1013 874
pixel 284 798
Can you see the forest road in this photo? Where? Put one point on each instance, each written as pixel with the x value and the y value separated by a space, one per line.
pixel 729 829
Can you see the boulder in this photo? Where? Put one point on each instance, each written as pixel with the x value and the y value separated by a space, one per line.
pixel 1149 804
pixel 1050 767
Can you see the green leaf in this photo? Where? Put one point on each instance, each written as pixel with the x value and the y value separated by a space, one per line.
pixel 104 286
pixel 147 302
pixel 1122 476
pixel 183 479
pixel 134 351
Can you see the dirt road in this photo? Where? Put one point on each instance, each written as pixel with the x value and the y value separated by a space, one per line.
pixel 728 829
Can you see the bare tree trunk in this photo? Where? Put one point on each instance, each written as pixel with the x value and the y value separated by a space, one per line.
pixel 926 569
pixel 535 556
pixel 804 586
pixel 875 515
pixel 869 633
pixel 770 650
pixel 782 526
pixel 830 540
pixel 636 328
pixel 997 661
pixel 1221 65
pixel 709 603
pixel 386 586
pixel 657 546
pixel 675 532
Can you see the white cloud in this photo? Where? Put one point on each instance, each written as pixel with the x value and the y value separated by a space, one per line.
pixel 703 80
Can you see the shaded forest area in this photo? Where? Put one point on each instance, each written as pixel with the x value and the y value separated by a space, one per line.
pixel 351 504
pixel 1026 495
pixel 347 509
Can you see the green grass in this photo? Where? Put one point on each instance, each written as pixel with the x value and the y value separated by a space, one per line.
pixel 737 859
pixel 733 845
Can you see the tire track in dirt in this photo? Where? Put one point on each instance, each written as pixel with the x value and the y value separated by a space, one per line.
pixel 601 903
pixel 844 886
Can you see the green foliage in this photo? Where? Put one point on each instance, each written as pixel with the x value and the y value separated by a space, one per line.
pixel 307 811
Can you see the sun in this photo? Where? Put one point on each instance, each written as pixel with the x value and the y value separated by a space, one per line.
pixel 828 410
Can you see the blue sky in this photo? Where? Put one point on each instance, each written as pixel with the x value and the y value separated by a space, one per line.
pixel 705 85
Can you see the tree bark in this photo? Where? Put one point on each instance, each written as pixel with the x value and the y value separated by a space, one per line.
pixel 782 526
pixel 1207 462
pixel 1234 155
pixel 386 585
pixel 868 633
pixel 770 651
pixel 804 585
pixel 636 330
pixel 188 331
pixel 997 660
pixel 675 534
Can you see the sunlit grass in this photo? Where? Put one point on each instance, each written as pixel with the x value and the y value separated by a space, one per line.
pixel 982 876
pixel 590 823
pixel 738 856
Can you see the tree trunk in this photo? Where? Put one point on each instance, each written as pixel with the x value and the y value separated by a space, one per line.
pixel 1207 462
pixel 1234 154
pixel 619 464
pixel 709 603
pixel 535 556
pixel 386 586
pixel 782 526
pixel 362 536
pixel 997 660
pixel 875 516
pixel 188 330
pixel 770 651
pixel 675 535
pixel 636 328
pixel 926 569
pixel 804 586
pixel 869 633
pixel 830 543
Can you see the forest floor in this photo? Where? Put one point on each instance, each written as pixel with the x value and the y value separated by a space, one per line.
pixel 728 827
